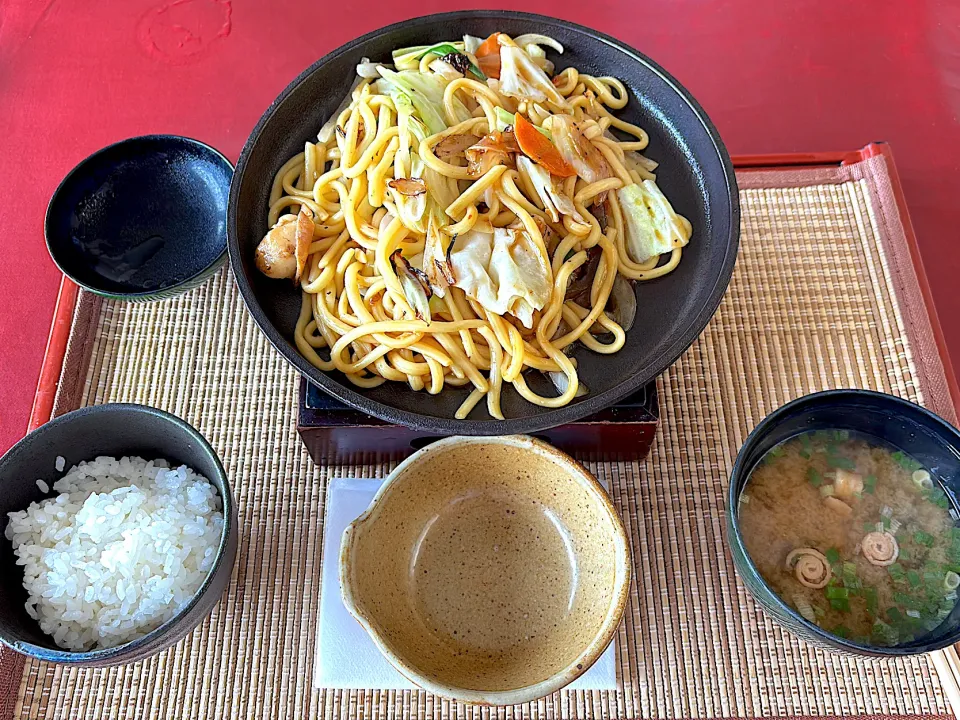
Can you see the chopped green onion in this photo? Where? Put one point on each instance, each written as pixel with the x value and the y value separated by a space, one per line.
pixel 805 454
pixel 897 573
pixel 841 435
pixel 915 614
pixel 870 484
pixel 951 580
pixel 870 596
pixel 838 461
pixel 886 523
pixel 832 555
pixel 850 579
pixel 819 611
pixel 932 624
pixel 841 604
pixel 814 477
pixel 894 614
pixel 827 490
pixel 841 631
pixel 908 601
pixel 805 441
pixel 913 578
pixel 869 527
pixel 883 633
pixel 923 538
pixel 905 461
pixel 836 592
pixel 777 451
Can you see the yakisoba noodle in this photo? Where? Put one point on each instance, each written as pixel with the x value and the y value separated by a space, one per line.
pixel 465 219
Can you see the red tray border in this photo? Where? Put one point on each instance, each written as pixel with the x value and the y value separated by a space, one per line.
pixel 67 296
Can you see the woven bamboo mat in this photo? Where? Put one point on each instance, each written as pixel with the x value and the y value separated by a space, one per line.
pixel 816 302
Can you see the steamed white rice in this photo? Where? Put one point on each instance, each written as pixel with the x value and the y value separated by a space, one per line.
pixel 123 547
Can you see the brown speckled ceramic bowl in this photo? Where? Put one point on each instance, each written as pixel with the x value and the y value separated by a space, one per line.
pixel 489 570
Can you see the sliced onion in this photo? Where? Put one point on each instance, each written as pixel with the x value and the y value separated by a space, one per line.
pixel 581 279
pixel 410 187
pixel 624 303
pixel 534 39
pixel 561 383
pixel 453 145
pixel 368 70
pixel 581 154
pixel 416 286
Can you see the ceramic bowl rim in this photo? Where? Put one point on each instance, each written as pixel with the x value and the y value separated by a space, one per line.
pixel 166 290
pixel 113 655
pixel 744 564
pixel 588 656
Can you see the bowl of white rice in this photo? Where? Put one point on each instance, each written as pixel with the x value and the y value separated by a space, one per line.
pixel 118 535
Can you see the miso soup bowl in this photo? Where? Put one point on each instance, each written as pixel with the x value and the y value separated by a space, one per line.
pixel 488 570
pixel 927 437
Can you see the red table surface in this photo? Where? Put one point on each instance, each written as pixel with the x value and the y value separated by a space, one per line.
pixel 807 75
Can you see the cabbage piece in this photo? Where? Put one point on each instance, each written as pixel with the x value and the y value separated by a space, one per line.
pixel 581 154
pixel 445 70
pixel 407 163
pixel 471 43
pixel 504 119
pixel 425 94
pixel 504 271
pixel 555 202
pixel 414 284
pixel 652 226
pixel 425 91
pixel 521 77
pixel 441 190
pixel 435 259
pixel 508 119
pixel 409 58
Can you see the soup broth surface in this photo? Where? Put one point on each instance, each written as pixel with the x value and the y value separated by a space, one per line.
pixel 854 534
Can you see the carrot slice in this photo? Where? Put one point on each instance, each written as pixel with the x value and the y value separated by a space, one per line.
pixel 539 149
pixel 488 56
pixel 488 46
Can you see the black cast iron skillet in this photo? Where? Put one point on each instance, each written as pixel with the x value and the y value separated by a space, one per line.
pixel 695 173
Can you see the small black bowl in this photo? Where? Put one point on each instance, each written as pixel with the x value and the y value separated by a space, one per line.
pixel 143 219
pixel 112 430
pixel 925 436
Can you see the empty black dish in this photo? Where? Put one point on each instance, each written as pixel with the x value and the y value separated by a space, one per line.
pixel 695 173
pixel 926 437
pixel 143 219
pixel 113 430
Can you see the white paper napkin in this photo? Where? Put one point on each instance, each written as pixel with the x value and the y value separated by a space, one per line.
pixel 346 656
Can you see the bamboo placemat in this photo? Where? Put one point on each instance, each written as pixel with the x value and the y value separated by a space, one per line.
pixel 822 297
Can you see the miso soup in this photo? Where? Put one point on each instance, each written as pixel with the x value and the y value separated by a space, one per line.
pixel 854 534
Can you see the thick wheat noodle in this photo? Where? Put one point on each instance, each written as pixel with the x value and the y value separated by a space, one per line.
pixel 354 306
